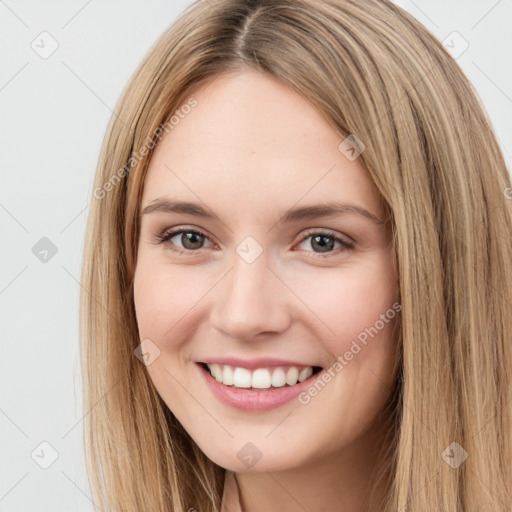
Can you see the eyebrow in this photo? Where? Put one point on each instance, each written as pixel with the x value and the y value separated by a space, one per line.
pixel 291 215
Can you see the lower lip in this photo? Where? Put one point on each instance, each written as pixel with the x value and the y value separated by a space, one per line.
pixel 248 400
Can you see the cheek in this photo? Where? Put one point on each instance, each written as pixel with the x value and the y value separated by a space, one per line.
pixel 349 300
pixel 355 306
pixel 162 298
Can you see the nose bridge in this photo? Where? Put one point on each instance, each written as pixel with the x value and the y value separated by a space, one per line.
pixel 250 298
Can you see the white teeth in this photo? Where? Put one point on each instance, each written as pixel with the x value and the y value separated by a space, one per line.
pixel 305 373
pixel 278 378
pixel 262 378
pixel 291 376
pixel 227 375
pixel 242 378
pixel 216 372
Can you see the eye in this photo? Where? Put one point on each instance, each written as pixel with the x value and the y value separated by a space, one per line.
pixel 324 241
pixel 190 238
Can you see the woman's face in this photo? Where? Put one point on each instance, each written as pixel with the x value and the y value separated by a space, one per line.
pixel 264 276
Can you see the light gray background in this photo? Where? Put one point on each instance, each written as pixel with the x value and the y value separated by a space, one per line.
pixel 53 116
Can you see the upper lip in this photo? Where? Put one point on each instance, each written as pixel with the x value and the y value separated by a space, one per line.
pixel 253 364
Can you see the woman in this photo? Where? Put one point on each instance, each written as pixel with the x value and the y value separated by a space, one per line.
pixel 297 282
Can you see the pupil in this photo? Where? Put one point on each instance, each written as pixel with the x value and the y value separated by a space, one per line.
pixel 189 237
pixel 323 246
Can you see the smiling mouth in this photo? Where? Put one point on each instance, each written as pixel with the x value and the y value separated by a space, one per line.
pixel 261 379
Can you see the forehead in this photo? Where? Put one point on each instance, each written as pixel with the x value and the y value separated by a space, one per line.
pixel 255 142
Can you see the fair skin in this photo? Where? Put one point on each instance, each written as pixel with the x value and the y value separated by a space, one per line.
pixel 251 149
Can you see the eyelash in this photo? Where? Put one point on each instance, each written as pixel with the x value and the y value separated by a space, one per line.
pixel 165 237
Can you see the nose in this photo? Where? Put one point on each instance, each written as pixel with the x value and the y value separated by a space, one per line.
pixel 250 300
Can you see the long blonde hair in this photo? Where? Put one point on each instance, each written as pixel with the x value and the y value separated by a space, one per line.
pixel 373 71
